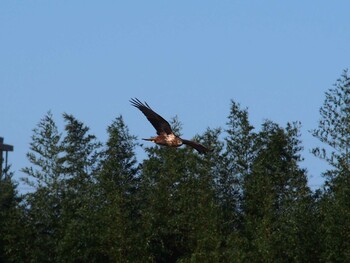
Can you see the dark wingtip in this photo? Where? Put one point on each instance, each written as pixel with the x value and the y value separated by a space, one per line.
pixel 137 103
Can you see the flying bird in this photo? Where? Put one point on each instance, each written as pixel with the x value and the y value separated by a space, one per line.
pixel 166 136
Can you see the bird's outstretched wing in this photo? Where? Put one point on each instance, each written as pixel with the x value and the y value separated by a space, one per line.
pixel 199 147
pixel 161 125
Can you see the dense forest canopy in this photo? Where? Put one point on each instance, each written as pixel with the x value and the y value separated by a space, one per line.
pixel 247 200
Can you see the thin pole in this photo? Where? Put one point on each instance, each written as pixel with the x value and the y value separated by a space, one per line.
pixel 6 163
pixel 0 164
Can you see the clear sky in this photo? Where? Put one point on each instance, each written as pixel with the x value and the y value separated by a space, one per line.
pixel 185 58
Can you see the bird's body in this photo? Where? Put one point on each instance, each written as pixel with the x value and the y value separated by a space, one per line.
pixel 165 137
pixel 166 140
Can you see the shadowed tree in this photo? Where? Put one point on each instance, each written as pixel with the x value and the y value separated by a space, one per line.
pixel 77 193
pixel 60 212
pixel 246 200
pixel 239 155
pixel 236 163
pixel 277 202
pixel 334 128
pixel 334 132
pixel 44 155
pixel 11 227
pixel 43 208
pixel 80 162
pixel 118 194
pixel 178 212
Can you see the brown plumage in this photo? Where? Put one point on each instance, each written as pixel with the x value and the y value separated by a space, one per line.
pixel 165 136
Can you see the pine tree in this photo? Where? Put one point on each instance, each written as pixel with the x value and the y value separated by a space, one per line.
pixel 178 212
pixel 81 206
pixel 334 132
pixel 213 229
pixel 334 128
pixel 10 218
pixel 277 200
pixel 118 194
pixel 80 162
pixel 44 155
pixel 240 140
pixel 237 161
pixel 81 151
pixel 43 208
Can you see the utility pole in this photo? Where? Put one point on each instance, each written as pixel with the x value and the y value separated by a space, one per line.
pixel 4 148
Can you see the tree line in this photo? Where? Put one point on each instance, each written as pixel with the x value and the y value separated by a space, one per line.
pixel 246 201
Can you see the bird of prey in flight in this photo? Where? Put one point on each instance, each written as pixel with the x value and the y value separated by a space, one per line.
pixel 166 136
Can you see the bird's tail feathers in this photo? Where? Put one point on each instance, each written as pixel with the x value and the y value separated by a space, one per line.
pixel 199 147
pixel 148 139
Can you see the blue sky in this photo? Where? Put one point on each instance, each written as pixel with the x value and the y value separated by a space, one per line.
pixel 185 58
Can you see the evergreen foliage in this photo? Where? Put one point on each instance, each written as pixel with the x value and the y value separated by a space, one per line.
pixel 334 127
pixel 334 132
pixel 247 200
pixel 275 195
pixel 9 216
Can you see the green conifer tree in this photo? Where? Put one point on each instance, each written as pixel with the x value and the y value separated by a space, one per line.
pixel 277 201
pixel 179 204
pixel 80 163
pixel 119 199
pixel 43 208
pixel 334 132
pixel 11 231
